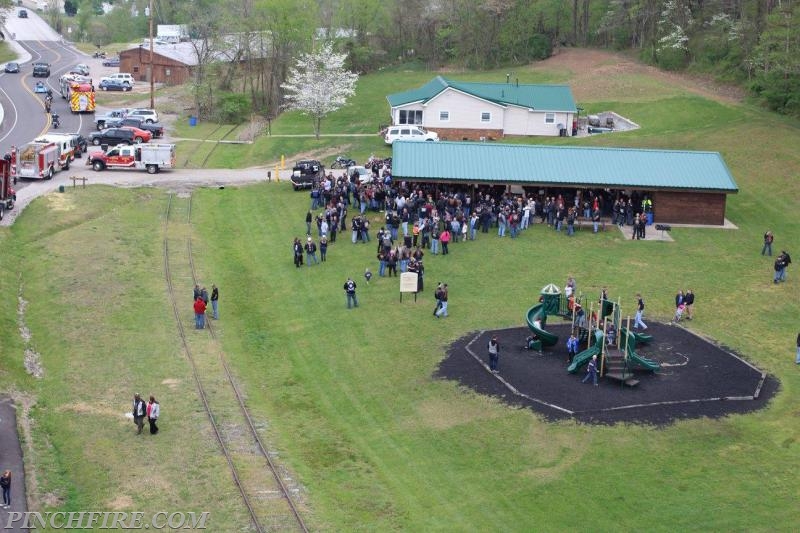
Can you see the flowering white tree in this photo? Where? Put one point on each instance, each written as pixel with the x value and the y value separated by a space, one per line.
pixel 319 84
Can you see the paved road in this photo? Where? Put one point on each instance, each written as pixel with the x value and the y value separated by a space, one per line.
pixel 11 459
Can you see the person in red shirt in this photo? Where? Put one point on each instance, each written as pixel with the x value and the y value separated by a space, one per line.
pixel 199 313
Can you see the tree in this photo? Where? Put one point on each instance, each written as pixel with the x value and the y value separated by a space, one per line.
pixel 319 84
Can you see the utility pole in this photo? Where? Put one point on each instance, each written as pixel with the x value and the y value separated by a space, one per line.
pixel 152 73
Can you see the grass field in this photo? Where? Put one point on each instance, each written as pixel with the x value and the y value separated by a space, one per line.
pixel 346 398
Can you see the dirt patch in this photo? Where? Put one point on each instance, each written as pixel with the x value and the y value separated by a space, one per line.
pixel 596 72
pixel 171 382
pixel 120 503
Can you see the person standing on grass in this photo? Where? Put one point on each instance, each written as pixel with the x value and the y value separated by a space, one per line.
pixel 637 321
pixel 688 299
pixel 787 260
pixel 309 218
pixel 797 357
pixel 215 301
pixel 5 483
pixel 199 313
pixel 591 371
pixel 445 239
pixel 204 295
pixel 767 248
pixel 196 292
pixel 311 252
pixel 323 248
pixel 298 254
pixel 443 297
pixel 139 411
pixel 494 354
pixel 350 290
pixel 153 412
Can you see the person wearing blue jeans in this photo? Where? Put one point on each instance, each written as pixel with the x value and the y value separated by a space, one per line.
pixel 443 296
pixel 591 371
pixel 435 242
pixel 215 301
pixel 350 291
pixel 494 354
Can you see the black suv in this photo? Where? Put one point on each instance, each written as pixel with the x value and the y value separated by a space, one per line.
pixel 111 137
pixel 306 173
pixel 41 70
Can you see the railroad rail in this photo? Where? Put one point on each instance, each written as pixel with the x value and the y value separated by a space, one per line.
pixel 263 490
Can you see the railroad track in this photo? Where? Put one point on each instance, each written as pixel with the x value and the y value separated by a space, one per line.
pixel 265 491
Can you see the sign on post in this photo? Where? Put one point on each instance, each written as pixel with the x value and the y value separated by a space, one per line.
pixel 408 283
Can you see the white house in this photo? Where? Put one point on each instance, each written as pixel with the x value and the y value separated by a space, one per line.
pixel 467 110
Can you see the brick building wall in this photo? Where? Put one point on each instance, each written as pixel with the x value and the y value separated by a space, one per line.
pixel 460 134
pixel 673 207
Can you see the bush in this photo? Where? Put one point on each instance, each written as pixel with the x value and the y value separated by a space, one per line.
pixel 232 108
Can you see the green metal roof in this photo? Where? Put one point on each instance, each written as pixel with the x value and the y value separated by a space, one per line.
pixel 539 97
pixel 561 165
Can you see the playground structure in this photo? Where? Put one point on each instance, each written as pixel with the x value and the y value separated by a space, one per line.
pixel 617 355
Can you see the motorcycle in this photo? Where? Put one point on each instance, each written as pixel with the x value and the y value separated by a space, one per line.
pixel 47 106
pixel 343 162
pixel 99 54
pixel 56 121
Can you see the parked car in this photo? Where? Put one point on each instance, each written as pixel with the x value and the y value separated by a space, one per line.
pixel 139 135
pixel 111 137
pixel 80 143
pixel 12 68
pixel 409 133
pixel 155 128
pixel 306 173
pixel 149 115
pixel 41 70
pixel 114 85
pixel 111 62
pixel 359 174
pixel 122 77
pixel 22 13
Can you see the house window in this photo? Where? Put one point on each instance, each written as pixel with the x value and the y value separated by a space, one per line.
pixel 135 70
pixel 409 117
pixel 486 116
pixel 549 118
pixel 444 116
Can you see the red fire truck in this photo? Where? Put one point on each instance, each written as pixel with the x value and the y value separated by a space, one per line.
pixel 7 194
pixel 150 157
pixel 35 161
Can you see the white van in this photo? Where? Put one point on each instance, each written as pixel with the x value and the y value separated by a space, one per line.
pixel 409 133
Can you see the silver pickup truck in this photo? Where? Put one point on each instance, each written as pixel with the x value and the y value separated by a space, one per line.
pixel 116 114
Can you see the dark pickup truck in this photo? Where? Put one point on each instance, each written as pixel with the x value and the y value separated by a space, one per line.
pixel 307 173
pixel 153 127
pixel 111 137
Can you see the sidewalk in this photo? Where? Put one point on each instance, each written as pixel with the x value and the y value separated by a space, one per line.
pixel 11 459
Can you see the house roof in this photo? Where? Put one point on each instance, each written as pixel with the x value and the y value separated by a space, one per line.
pixel 561 165
pixel 537 97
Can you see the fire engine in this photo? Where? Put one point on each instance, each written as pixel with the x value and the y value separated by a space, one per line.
pixel 150 157
pixel 81 98
pixel 7 195
pixel 66 81
pixel 35 160
pixel 65 144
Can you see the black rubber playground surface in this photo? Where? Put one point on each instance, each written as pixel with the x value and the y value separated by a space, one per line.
pixel 698 378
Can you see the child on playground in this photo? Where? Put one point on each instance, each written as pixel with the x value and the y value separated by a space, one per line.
pixel 611 334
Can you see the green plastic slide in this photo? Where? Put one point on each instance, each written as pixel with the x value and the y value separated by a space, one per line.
pixel 547 338
pixel 641 338
pixel 585 356
pixel 637 359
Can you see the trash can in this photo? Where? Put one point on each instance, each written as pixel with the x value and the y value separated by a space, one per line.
pixel 60 188
pixel 649 219
pixel 192 121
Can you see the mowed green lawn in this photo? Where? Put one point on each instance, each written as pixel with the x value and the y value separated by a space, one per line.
pixel 347 398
